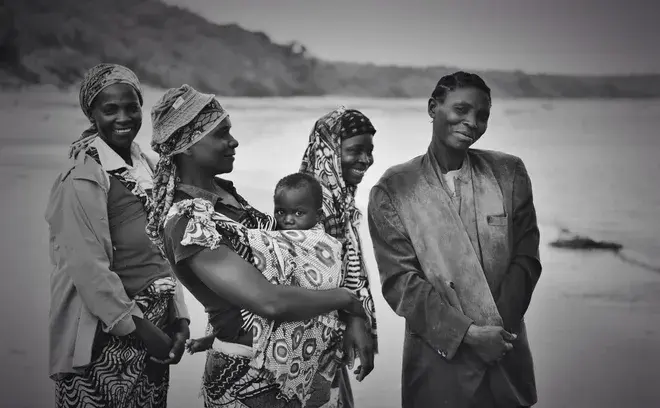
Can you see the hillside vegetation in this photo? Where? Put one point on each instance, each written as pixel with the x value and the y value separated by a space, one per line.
pixel 55 42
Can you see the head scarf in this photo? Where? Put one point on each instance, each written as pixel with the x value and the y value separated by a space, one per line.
pixel 181 118
pixel 354 123
pixel 95 81
pixel 322 158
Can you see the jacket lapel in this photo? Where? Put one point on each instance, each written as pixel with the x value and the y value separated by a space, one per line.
pixel 492 221
pixel 468 213
pixel 446 252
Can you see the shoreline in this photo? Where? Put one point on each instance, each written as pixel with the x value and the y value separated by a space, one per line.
pixel 69 96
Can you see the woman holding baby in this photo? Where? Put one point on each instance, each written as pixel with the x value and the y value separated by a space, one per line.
pixel 228 255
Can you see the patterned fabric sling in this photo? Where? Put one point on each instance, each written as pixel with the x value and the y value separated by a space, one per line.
pixel 294 356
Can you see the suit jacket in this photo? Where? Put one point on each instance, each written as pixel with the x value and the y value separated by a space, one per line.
pixel 441 277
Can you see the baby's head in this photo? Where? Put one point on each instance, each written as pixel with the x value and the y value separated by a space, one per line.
pixel 298 202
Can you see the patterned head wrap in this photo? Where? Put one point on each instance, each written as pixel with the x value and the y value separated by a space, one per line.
pixel 322 158
pixel 95 81
pixel 181 118
pixel 354 123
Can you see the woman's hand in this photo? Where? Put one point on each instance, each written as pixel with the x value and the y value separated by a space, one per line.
pixel 357 338
pixel 354 307
pixel 158 343
pixel 180 333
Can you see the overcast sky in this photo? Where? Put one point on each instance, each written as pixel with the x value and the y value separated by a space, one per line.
pixel 557 36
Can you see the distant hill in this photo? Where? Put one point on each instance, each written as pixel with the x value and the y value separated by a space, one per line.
pixel 56 41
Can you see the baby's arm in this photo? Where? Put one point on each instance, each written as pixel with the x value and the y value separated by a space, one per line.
pixel 202 344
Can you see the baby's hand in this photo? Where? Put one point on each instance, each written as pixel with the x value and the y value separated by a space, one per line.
pixel 196 345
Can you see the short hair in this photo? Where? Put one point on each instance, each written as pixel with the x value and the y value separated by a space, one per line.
pixel 457 80
pixel 302 180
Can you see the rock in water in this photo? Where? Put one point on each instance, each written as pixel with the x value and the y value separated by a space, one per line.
pixel 584 243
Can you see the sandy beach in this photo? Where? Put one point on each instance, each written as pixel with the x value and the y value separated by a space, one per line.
pixel 594 321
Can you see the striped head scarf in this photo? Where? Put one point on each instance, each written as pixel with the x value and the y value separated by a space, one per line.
pixel 322 158
pixel 95 81
pixel 181 118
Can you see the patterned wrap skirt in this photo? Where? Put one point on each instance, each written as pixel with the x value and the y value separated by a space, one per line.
pixel 290 364
pixel 121 374
pixel 230 380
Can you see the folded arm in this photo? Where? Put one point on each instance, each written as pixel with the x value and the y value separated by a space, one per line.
pixel 231 277
pixel 404 287
pixel 86 260
pixel 515 292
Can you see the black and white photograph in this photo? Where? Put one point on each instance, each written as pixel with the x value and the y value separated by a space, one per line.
pixel 330 204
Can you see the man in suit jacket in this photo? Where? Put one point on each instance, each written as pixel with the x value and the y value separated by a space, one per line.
pixel 456 241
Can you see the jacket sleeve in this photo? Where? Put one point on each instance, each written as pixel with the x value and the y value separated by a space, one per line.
pixel 404 286
pixel 86 260
pixel 180 307
pixel 515 291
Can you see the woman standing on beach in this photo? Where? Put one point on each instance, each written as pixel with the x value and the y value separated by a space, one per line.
pixel 192 136
pixel 339 153
pixel 114 300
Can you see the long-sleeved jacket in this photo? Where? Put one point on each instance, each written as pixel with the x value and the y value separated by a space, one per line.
pixel 433 276
pixel 84 289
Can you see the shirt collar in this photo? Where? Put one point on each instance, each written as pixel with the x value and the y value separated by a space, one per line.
pixel 110 160
pixel 463 173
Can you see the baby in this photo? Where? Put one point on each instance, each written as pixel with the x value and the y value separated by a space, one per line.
pixel 298 203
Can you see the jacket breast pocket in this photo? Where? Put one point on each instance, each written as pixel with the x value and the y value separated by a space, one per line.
pixel 54 249
pixel 497 220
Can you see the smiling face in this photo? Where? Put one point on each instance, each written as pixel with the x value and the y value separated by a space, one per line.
pixel 461 119
pixel 216 151
pixel 117 113
pixel 356 157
